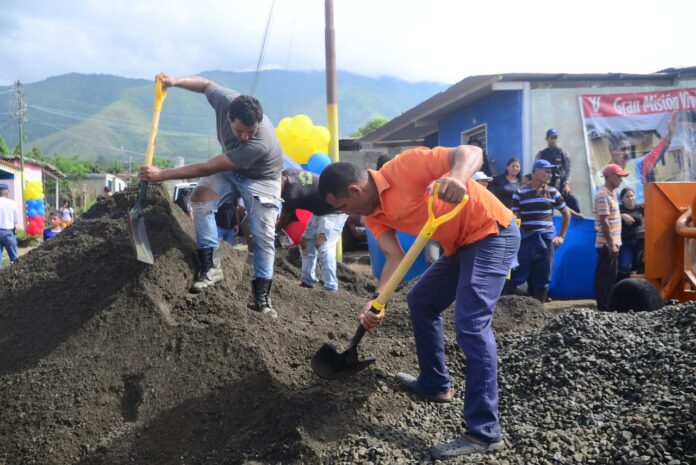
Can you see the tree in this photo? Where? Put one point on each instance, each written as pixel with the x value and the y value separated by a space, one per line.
pixel 115 167
pixel 4 149
pixel 374 123
pixel 161 162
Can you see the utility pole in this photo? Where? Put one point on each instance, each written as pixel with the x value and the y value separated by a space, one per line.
pixel 21 109
pixel 331 92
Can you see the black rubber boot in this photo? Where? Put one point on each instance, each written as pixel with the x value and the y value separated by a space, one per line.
pixel 509 289
pixel 210 271
pixel 262 298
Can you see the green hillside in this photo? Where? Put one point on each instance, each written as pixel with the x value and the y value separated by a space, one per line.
pixel 108 117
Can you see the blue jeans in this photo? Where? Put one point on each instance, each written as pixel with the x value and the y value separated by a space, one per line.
pixel 8 240
pixel 474 278
pixel 330 226
pixel 262 201
pixel 535 263
pixel 631 256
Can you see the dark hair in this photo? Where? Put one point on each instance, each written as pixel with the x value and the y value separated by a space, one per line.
pixel 615 138
pixel 475 141
pixel 247 109
pixel 625 191
pixel 107 189
pixel 55 213
pixel 510 162
pixel 336 178
pixel 382 160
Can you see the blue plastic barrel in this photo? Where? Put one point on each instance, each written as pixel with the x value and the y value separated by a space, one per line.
pixel 377 258
pixel 574 262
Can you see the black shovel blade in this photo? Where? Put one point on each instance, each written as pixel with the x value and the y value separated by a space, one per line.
pixel 328 363
pixel 138 235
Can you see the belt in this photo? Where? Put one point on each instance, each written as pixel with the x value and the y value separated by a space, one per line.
pixel 3 229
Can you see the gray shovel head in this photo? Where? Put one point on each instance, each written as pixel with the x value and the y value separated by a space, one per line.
pixel 138 235
pixel 328 363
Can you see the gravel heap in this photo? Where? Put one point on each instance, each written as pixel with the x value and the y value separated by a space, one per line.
pixel 588 387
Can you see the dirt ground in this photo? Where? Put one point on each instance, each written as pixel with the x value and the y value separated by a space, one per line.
pixel 106 360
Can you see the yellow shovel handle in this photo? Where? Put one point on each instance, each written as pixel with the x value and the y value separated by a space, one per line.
pixel 160 95
pixel 425 234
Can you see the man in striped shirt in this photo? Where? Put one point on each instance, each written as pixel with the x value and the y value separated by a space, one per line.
pixel 608 240
pixel 533 205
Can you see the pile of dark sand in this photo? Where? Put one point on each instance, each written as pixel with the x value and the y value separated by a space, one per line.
pixel 105 360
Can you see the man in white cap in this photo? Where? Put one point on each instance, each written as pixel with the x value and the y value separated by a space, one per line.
pixel 481 178
pixel 8 224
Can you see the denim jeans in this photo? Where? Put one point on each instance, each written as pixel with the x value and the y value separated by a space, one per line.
pixel 535 263
pixel 474 278
pixel 330 226
pixel 8 240
pixel 631 257
pixel 262 201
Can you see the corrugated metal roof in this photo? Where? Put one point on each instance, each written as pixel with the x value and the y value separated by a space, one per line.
pixel 55 172
pixel 420 121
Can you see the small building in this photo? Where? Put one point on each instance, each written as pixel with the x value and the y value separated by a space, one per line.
pixel 510 114
pixel 93 184
pixel 34 170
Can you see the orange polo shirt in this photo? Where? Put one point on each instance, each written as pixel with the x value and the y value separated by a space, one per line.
pixel 402 184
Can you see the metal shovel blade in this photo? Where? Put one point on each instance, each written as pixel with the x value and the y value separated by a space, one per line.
pixel 137 231
pixel 328 363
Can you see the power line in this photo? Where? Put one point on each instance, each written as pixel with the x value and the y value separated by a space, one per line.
pixel 263 48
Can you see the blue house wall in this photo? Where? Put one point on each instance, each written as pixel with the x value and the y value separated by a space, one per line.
pixel 502 113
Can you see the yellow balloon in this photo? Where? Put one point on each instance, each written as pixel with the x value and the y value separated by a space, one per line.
pixel 284 123
pixel 287 141
pixel 320 137
pixel 301 126
pixel 301 151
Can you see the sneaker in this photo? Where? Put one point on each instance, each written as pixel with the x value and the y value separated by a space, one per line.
pixel 305 285
pixel 464 445
pixel 210 277
pixel 411 384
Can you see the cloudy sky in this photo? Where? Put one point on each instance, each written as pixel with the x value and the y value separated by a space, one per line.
pixel 436 40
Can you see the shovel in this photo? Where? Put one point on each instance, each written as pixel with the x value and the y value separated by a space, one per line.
pixel 328 363
pixel 136 222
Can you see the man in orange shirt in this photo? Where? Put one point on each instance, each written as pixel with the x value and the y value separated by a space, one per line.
pixel 479 247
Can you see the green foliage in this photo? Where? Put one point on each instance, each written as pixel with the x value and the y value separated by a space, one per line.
pixel 161 162
pixel 115 167
pixel 4 149
pixel 374 123
pixel 73 165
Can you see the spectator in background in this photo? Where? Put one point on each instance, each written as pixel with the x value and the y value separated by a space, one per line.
pixel 526 179
pixel 55 226
pixel 506 184
pixel 632 234
pixel 561 176
pixel 534 205
pixel 488 164
pixel 107 191
pixel 67 215
pixel 482 178
pixel 228 219
pixel 9 217
pixel 608 239
pixel 381 160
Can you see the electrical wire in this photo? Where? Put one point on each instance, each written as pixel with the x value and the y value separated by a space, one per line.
pixel 259 63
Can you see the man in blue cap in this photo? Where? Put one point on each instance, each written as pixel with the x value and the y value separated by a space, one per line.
pixel 8 224
pixel 560 179
pixel 533 205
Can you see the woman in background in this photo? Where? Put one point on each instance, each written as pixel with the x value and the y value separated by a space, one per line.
pixel 632 234
pixel 505 184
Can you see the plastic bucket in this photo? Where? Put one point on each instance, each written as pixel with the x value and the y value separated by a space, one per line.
pixel 377 258
pixel 574 262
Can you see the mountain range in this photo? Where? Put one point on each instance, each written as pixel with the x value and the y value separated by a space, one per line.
pixel 106 117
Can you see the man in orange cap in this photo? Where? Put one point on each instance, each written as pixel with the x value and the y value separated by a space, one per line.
pixel 608 240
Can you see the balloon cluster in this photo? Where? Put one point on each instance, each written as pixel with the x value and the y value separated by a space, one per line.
pixel 304 142
pixel 36 208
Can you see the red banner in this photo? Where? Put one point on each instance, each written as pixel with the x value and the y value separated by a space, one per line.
pixel 640 103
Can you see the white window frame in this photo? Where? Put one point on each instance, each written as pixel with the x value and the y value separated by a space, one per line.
pixel 476 131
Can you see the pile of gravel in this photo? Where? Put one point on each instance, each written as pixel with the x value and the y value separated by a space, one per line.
pixel 588 387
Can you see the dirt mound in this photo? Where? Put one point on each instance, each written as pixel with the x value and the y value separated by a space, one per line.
pixel 105 360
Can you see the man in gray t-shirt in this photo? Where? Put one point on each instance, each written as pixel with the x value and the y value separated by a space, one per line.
pixel 249 166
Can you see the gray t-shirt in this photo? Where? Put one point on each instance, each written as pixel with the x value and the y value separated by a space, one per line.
pixel 261 157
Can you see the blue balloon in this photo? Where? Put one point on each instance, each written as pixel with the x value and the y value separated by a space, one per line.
pixel 31 213
pixel 318 162
pixel 30 204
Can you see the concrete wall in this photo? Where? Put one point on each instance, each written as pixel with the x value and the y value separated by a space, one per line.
pixel 502 113
pixel 559 108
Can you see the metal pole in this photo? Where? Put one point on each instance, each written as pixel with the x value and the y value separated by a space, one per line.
pixel 331 93
pixel 20 117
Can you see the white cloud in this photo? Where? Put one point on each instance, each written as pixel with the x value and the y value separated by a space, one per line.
pixel 440 40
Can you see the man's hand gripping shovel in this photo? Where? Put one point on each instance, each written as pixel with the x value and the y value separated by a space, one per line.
pixel 328 363
pixel 136 222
